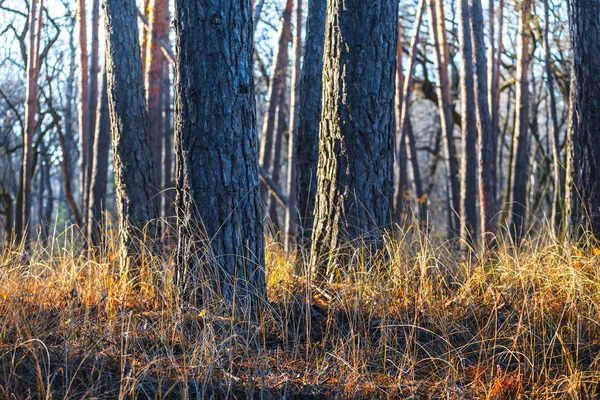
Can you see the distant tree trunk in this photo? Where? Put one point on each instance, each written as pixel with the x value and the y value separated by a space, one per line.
pixel 99 176
pixel 291 214
pixel 404 119
pixel 33 71
pixel 486 133
pixel 92 105
pixel 495 61
pixel 309 115
pixel 276 87
pixel 258 11
pixel 468 170
pixel 84 118
pixel 558 171
pixel 217 170
pixel 583 189
pixel 520 168
pixel 168 149
pixel 401 159
pixel 136 196
pixel 441 61
pixel 356 149
pixel 158 31
pixel 282 126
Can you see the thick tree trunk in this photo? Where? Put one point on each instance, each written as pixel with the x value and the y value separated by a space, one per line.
pixel 441 61
pixel 136 196
pixel 583 189
pixel 84 118
pixel 468 170
pixel 276 87
pixel 217 169
pixel 486 133
pixel 99 176
pixel 158 32
pixel 309 115
pixel 404 119
pixel 291 212
pixel 356 149
pixel 520 168
pixel 33 71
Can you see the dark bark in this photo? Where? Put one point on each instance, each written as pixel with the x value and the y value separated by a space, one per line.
pixel 216 151
pixel 583 188
pixel 309 115
pixel 520 169
pixel 99 176
pixel 136 197
pixel 356 148
pixel 468 169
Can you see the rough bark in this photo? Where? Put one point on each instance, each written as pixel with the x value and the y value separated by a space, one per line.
pixel 136 197
pixel 441 61
pixel 356 148
pixel 520 168
pixel 468 170
pixel 309 115
pixel 583 189
pixel 216 151
pixel 99 175
pixel 291 212
pixel 158 32
pixel 486 133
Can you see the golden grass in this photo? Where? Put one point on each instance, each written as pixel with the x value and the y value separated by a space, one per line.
pixel 424 321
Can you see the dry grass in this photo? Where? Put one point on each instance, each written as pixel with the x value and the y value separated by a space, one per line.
pixel 425 321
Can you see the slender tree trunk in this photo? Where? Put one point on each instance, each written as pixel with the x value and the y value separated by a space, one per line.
pixel 558 171
pixel 291 214
pixel 276 87
pixel 33 71
pixel 217 169
pixel 468 170
pixel 356 150
pixel 583 186
pixel 158 32
pixel 401 160
pixel 404 120
pixel 282 126
pixel 136 196
pixel 84 118
pixel 168 149
pixel 520 169
pixel 309 115
pixel 485 130
pixel 494 96
pixel 99 177
pixel 257 12
pixel 440 45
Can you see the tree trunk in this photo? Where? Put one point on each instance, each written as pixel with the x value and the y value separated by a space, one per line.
pixel 33 71
pixel 486 133
pixel 440 45
pixel 216 154
pixel 167 160
pixel 282 126
pixel 136 197
pixel 401 161
pixel 158 31
pixel 84 119
pixel 291 211
pixel 276 87
pixel 99 176
pixel 495 59
pixel 583 190
pixel 520 168
pixel 309 115
pixel 468 170
pixel 356 149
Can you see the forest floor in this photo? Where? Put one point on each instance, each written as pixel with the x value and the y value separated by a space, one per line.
pixel 426 321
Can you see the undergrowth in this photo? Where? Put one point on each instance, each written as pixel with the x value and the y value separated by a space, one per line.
pixel 425 320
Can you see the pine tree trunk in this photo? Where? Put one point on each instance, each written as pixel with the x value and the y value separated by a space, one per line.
pixel 158 31
pixel 485 130
pixel 401 159
pixel 99 176
pixel 84 119
pixel 468 170
pixel 520 168
pixel 356 149
pixel 216 151
pixel 168 149
pixel 441 61
pixel 136 196
pixel 309 115
pixel 583 189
